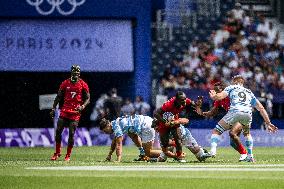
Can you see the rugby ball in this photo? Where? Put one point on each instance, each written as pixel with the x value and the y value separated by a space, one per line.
pixel 169 116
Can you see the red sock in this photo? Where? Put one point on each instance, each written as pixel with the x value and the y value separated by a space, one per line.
pixel 179 153
pixel 241 149
pixel 69 150
pixel 173 143
pixel 58 148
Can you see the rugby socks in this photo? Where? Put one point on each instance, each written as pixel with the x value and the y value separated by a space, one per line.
pixel 69 150
pixel 215 139
pixel 240 148
pixel 142 151
pixel 233 144
pixel 178 153
pixel 249 145
pixel 58 148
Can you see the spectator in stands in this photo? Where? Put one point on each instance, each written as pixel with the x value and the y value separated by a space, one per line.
pixel 141 107
pixel 127 108
pixel 112 105
pixel 238 12
pixel 98 110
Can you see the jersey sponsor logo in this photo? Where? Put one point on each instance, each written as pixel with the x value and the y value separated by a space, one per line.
pixel 55 5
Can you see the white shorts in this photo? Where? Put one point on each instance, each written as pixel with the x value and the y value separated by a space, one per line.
pixel 244 118
pixel 147 132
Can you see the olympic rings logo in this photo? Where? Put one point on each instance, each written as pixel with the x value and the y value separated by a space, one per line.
pixel 55 4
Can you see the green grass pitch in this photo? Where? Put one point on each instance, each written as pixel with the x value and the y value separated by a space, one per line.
pixel 31 168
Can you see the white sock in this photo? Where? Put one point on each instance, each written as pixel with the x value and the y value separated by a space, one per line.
pixel 215 139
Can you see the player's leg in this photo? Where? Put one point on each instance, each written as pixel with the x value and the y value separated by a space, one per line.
pixel 148 137
pixel 58 138
pixel 236 142
pixel 249 144
pixel 246 119
pixel 138 142
pixel 216 135
pixel 71 140
pixel 191 144
pixel 177 134
pixel 164 143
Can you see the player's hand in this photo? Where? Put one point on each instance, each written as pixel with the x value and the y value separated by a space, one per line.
pixel 212 94
pixel 199 101
pixel 80 108
pixel 271 128
pixel 206 114
pixel 170 123
pixel 52 113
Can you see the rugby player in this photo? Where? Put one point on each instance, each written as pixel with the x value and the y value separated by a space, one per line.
pixel 74 92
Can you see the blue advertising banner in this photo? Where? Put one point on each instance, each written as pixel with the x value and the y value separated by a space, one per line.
pixel 83 137
pixel 54 45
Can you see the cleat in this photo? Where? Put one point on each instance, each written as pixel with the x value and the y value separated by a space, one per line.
pixel 180 159
pixel 55 156
pixel 213 155
pixel 243 157
pixel 204 157
pixel 152 160
pixel 250 159
pixel 67 157
pixel 205 151
pixel 162 159
pixel 142 158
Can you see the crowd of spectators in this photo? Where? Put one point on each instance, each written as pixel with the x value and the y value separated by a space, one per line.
pixel 246 43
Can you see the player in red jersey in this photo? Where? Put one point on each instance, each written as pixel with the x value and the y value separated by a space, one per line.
pixel 166 128
pixel 234 131
pixel 76 96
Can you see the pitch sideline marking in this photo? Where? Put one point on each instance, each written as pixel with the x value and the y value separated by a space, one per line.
pixel 246 168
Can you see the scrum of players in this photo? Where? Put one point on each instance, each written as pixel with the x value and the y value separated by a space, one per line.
pixel 238 102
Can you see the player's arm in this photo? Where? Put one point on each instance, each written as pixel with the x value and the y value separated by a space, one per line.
pixel 263 113
pixel 86 98
pixel 211 113
pixel 198 105
pixel 118 147
pixel 180 121
pixel 112 148
pixel 57 99
pixel 217 96
pixel 158 115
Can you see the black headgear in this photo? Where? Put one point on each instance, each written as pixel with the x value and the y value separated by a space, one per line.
pixel 75 68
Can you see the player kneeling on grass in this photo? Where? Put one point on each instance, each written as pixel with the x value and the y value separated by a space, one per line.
pixel 188 141
pixel 138 128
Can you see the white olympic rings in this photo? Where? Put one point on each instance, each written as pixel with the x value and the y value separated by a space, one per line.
pixel 55 4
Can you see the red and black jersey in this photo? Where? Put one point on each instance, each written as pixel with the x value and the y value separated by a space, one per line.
pixel 169 106
pixel 73 96
pixel 224 103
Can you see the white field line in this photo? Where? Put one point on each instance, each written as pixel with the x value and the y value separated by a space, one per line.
pixel 245 168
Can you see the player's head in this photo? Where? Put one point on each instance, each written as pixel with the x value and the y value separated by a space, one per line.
pixel 218 87
pixel 105 126
pixel 180 98
pixel 75 73
pixel 238 5
pixel 238 80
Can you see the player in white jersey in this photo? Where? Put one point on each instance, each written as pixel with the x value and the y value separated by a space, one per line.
pixel 242 100
pixel 190 143
pixel 138 128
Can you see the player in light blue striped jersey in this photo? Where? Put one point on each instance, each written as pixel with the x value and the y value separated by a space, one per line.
pixel 138 128
pixel 242 100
